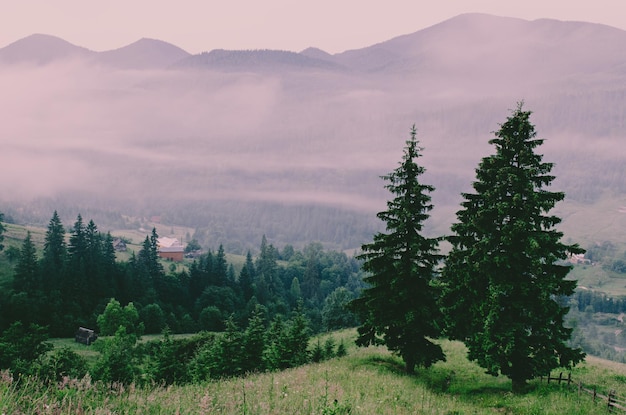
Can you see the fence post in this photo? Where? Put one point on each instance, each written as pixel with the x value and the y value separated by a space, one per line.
pixel 560 378
pixel 610 400
pixel 580 387
pixel 569 378
pixel 595 394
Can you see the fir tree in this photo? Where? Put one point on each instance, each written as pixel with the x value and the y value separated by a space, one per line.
pixel 74 282
pixel 267 284
pixel 54 254
pixel 220 268
pixel 78 243
pixel 297 339
pixel 227 352
pixel 254 342
pixel 275 345
pixel 399 308
pixel 503 276
pixel 26 278
pixel 246 278
pixel 53 271
pixel 148 272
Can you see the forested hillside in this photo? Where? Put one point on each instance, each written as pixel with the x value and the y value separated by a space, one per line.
pixel 66 278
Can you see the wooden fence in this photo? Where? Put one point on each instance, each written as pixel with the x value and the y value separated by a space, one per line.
pixel 613 401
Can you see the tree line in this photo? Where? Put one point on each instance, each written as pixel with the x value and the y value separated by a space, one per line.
pixel 76 276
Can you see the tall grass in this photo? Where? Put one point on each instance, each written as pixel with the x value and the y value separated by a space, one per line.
pixel 366 381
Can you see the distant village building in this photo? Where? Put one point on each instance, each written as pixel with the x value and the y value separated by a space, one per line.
pixel 170 248
pixel 119 245
pixel 579 259
pixel 85 336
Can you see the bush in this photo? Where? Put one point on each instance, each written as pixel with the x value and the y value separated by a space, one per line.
pixel 63 363
pixel 118 361
pixel 115 316
pixel 22 348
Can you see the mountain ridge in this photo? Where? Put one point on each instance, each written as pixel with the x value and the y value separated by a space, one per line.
pixel 473 34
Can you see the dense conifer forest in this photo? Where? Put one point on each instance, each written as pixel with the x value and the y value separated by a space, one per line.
pixel 71 282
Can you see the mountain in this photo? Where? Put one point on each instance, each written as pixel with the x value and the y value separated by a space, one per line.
pixel 470 43
pixel 41 49
pixel 45 49
pixel 490 45
pixel 143 54
pixel 256 60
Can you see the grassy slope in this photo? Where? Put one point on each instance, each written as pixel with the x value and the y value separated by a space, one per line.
pixel 14 237
pixel 367 381
pixel 589 223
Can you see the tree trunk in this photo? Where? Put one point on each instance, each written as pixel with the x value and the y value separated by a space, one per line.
pixel 518 385
pixel 409 364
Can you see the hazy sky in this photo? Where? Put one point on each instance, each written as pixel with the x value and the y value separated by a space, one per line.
pixel 203 25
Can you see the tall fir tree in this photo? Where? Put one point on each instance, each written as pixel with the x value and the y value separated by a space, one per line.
pixel 27 276
pixel 312 275
pixel 220 268
pixel 108 266
pixel 399 307
pixel 145 287
pixel 54 272
pixel 254 342
pixel 94 280
pixel 504 274
pixel 54 254
pixel 267 283
pixel 74 284
pixel 246 278
pixel 26 302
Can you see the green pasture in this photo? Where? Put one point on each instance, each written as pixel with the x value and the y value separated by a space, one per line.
pixel 366 381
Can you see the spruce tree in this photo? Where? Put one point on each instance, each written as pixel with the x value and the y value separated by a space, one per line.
pixel 148 272
pixel 220 268
pixel 504 275
pixel 268 287
pixel 54 254
pixel 28 300
pixel 399 307
pixel 53 269
pixel 254 342
pixel 27 276
pixel 74 285
pixel 246 278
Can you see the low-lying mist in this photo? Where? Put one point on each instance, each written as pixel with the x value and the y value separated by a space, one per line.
pixel 145 142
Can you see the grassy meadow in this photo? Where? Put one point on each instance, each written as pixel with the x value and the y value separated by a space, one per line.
pixel 366 381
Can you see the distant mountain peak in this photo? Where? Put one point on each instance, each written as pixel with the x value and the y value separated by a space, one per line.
pixel 316 53
pixel 41 49
pixel 143 54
